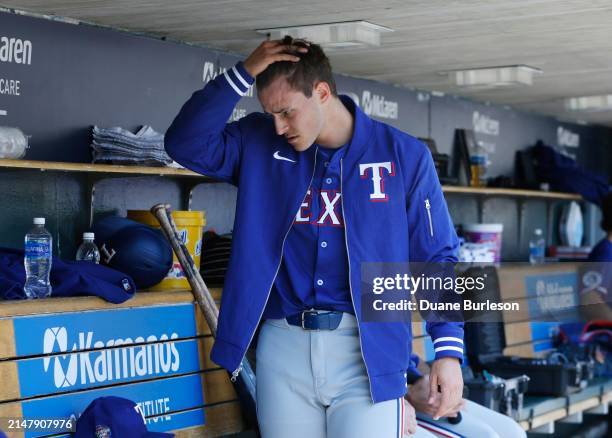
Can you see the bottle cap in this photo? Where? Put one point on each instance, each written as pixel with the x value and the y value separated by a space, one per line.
pixel 39 221
pixel 89 235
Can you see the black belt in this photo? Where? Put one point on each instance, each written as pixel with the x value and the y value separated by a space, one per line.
pixel 316 320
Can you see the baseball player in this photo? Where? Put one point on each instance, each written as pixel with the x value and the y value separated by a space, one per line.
pixel 322 188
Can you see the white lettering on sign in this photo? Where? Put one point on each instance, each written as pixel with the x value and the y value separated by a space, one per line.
pixel 554 297
pixel 15 50
pixel 376 105
pixel 154 409
pixel 567 138
pixel 484 124
pixel 9 87
pixel 107 365
pixel 209 72
pixel 237 114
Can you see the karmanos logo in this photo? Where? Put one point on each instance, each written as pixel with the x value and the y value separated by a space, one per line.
pixel 125 361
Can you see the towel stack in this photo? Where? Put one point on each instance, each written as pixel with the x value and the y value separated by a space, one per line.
pixel 120 146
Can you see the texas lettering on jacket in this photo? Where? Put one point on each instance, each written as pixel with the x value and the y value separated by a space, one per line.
pixel 329 200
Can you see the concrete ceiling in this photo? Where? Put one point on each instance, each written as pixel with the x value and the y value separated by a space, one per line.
pixel 571 41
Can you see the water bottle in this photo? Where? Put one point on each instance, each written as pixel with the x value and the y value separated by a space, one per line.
pixel 537 247
pixel 37 261
pixel 88 249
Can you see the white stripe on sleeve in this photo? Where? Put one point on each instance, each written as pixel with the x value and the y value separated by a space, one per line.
pixel 437 350
pixel 240 78
pixel 448 339
pixel 236 89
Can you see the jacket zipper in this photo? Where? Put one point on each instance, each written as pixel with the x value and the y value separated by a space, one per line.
pixel 428 208
pixel 350 288
pixel 236 372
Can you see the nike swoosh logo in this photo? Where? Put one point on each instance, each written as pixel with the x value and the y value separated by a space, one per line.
pixel 279 157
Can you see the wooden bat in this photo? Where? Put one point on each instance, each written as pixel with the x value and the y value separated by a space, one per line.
pixel 245 382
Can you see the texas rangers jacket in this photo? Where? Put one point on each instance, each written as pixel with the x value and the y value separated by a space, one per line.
pixel 392 204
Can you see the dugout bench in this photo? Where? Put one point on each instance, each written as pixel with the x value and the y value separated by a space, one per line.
pixel 58 354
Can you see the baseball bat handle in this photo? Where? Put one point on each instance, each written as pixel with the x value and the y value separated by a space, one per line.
pixel 245 384
pixel 163 213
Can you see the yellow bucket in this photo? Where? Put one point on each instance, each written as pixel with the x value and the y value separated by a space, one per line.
pixel 189 225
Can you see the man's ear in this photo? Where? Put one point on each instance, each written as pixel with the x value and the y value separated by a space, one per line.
pixel 322 91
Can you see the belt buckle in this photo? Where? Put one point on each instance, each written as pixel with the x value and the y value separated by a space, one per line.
pixel 314 312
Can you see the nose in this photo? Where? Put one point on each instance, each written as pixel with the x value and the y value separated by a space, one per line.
pixel 280 125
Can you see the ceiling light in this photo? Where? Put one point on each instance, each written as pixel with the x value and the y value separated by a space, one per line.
pixel 333 35
pixel 492 77
pixel 589 103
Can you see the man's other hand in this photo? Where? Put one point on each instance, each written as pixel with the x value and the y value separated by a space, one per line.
pixel 418 396
pixel 445 374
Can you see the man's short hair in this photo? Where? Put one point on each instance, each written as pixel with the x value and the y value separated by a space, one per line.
pixel 302 75
pixel 606 211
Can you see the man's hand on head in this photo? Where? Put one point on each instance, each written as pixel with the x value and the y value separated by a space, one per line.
pixel 445 374
pixel 270 52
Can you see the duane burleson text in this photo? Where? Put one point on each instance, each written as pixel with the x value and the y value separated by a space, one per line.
pixel 425 305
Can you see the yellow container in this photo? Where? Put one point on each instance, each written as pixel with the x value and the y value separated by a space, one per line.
pixel 189 225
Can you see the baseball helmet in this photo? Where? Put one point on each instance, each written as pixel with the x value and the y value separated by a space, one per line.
pixel 135 249
pixel 105 227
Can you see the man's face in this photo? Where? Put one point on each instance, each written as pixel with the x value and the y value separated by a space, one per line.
pixel 296 117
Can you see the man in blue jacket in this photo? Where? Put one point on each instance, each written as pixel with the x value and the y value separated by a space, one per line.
pixel 322 189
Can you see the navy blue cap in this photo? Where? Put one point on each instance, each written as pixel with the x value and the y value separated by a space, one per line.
pixel 114 417
pixel 68 278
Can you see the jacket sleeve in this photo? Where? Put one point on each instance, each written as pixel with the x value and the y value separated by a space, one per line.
pixel 433 240
pixel 199 137
pixel 412 373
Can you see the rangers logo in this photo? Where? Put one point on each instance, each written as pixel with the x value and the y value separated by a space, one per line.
pixel 378 179
pixel 106 254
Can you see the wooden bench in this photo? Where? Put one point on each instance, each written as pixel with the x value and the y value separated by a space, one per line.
pixel 58 354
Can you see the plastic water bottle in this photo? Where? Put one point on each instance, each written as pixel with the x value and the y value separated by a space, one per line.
pixel 38 259
pixel 537 247
pixel 88 249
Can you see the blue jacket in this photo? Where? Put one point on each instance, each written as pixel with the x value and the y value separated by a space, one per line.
pixel 404 218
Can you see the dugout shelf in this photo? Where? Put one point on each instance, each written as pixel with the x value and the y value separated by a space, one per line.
pixel 540 410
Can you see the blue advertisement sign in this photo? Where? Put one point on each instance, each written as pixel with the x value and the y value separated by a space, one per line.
pixel 157 398
pixel 104 347
pixel 552 298
pixel 62 373
pixel 56 333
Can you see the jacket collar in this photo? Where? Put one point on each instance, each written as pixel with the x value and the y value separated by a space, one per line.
pixel 363 130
